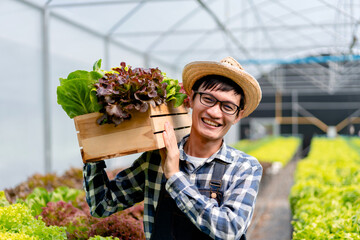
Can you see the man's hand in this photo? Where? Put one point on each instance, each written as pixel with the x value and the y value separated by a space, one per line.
pixel 170 154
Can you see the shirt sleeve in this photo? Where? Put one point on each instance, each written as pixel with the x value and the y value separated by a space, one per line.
pixel 231 219
pixel 105 196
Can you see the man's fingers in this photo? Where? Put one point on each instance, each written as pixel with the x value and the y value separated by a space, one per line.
pixel 170 160
pixel 170 134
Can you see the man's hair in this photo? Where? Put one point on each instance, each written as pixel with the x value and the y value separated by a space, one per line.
pixel 221 83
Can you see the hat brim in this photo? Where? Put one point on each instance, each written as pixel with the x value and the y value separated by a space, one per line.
pixel 196 70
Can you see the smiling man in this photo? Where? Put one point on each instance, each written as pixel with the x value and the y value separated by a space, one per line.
pixel 199 188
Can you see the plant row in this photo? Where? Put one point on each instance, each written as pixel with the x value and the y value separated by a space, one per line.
pixel 271 149
pixel 50 208
pixel 325 199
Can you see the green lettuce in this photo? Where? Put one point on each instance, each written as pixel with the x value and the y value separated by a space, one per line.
pixel 77 93
pixel 173 91
pixel 40 197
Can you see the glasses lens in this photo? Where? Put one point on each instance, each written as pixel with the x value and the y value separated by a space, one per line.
pixel 208 100
pixel 228 108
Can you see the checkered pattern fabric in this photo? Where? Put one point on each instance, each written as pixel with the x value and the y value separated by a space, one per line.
pixel 142 182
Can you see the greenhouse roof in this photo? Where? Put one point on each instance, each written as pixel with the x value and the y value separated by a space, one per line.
pixel 259 34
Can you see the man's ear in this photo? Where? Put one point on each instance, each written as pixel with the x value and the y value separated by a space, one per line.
pixel 191 99
pixel 239 116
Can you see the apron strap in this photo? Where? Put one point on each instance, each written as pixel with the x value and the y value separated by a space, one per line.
pixel 216 180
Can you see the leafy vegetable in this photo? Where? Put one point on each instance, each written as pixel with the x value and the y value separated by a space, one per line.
pixel 325 199
pixel 77 94
pixel 16 222
pixel 271 149
pixel 79 224
pixel 72 178
pixel 76 222
pixel 40 197
pixel 186 101
pixel 119 225
pixel 71 213
pixel 118 92
pixel 126 89
pixel 103 238
pixel 173 92
pixel 3 201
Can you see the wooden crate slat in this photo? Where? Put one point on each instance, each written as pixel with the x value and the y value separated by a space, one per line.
pixel 180 133
pixel 88 127
pixel 177 121
pixel 167 109
pixel 131 140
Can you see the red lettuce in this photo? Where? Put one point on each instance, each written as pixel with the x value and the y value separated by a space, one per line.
pixel 125 89
pixel 80 224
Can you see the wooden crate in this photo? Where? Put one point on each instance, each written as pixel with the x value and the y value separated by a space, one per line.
pixel 143 132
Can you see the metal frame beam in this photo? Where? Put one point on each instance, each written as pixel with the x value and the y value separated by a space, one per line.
pixel 125 18
pixel 350 119
pixel 85 4
pixel 98 34
pixel 177 24
pixel 45 89
pixel 228 33
pixel 232 29
pixel 293 12
pixel 262 27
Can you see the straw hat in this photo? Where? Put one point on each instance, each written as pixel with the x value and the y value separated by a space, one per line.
pixel 230 68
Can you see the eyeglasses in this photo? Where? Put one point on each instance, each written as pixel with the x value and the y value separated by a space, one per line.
pixel 209 100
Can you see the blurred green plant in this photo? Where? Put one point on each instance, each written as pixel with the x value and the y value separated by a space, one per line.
pixel 40 197
pixel 17 222
pixel 271 149
pixel 325 199
pixel 63 206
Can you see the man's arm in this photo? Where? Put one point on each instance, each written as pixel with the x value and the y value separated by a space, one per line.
pixel 106 197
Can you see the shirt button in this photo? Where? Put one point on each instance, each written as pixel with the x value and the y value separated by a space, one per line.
pixel 192 177
pixel 213 195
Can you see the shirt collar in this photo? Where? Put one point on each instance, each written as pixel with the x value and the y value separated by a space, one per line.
pixel 222 154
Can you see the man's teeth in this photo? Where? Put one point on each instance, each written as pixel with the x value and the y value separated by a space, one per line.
pixel 211 123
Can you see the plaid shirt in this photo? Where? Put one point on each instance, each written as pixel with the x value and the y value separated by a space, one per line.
pixel 142 181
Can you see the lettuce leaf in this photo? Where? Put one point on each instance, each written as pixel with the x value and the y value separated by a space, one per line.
pixel 173 91
pixel 77 93
pixel 125 89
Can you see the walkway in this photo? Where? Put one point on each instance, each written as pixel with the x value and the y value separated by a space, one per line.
pixel 272 216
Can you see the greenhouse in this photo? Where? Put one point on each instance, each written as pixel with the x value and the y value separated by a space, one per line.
pixel 305 132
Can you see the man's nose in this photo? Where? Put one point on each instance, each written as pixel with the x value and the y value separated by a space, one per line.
pixel 215 111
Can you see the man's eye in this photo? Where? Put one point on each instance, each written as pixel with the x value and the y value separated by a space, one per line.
pixel 208 99
pixel 228 107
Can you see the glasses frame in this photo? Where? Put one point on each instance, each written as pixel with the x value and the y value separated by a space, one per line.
pixel 216 101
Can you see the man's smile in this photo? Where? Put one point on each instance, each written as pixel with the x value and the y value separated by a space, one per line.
pixel 211 123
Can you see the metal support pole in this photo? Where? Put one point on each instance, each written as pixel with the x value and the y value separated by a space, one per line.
pixel 294 102
pixel 45 90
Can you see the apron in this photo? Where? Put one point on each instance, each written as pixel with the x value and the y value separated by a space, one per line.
pixel 172 223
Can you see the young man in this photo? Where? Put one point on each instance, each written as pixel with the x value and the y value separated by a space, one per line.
pixel 199 188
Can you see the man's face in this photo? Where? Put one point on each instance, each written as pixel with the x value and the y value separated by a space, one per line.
pixel 211 123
